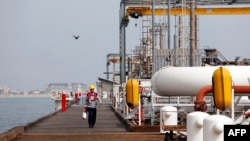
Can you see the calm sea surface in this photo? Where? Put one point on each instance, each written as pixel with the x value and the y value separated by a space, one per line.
pixel 20 111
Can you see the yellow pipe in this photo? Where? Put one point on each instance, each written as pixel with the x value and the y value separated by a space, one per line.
pixel 146 11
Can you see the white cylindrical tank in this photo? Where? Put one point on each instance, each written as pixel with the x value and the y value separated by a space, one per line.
pixel 195 125
pixel 168 116
pixel 187 81
pixel 213 127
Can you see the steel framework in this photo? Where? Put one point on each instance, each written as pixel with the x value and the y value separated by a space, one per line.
pixel 134 8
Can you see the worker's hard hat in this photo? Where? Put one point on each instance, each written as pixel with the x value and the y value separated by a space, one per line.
pixel 91 87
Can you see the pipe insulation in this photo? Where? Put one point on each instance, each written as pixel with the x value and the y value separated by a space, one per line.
pixel 187 81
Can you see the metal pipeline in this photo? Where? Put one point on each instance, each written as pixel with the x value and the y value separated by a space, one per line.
pixel 200 104
pixel 187 81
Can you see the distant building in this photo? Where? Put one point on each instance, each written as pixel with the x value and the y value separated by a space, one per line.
pixel 105 86
pixel 4 90
pixel 66 87
pixel 246 61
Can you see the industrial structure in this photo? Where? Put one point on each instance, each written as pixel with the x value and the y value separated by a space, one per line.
pixel 156 49
pixel 173 72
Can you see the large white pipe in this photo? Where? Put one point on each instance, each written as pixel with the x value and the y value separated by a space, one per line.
pixel 187 81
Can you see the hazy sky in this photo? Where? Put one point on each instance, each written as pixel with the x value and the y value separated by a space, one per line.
pixel 37 44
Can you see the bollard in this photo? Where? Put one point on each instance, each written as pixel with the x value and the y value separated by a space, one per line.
pixel 76 98
pixel 63 102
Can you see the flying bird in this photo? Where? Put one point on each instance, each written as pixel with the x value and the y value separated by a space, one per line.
pixel 76 37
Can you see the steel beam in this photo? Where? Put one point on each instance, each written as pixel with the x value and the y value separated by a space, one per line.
pixel 146 11
pixel 197 2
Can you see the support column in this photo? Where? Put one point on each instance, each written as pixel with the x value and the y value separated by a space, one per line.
pixel 192 34
pixel 123 24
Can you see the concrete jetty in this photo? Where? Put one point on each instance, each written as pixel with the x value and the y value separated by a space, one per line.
pixel 69 126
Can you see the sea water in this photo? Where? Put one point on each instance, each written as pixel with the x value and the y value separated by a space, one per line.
pixel 20 111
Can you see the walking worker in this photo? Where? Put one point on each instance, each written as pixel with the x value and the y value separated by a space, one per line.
pixel 91 104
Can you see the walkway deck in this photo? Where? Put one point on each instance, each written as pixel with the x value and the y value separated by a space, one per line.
pixel 71 122
pixel 69 126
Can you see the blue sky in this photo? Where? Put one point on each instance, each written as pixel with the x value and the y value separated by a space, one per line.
pixel 37 44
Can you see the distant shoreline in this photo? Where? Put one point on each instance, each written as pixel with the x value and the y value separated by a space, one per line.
pixel 23 95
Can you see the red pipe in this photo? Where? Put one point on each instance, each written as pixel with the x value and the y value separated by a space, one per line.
pixel 200 104
pixel 242 89
pixel 203 92
pixel 247 114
